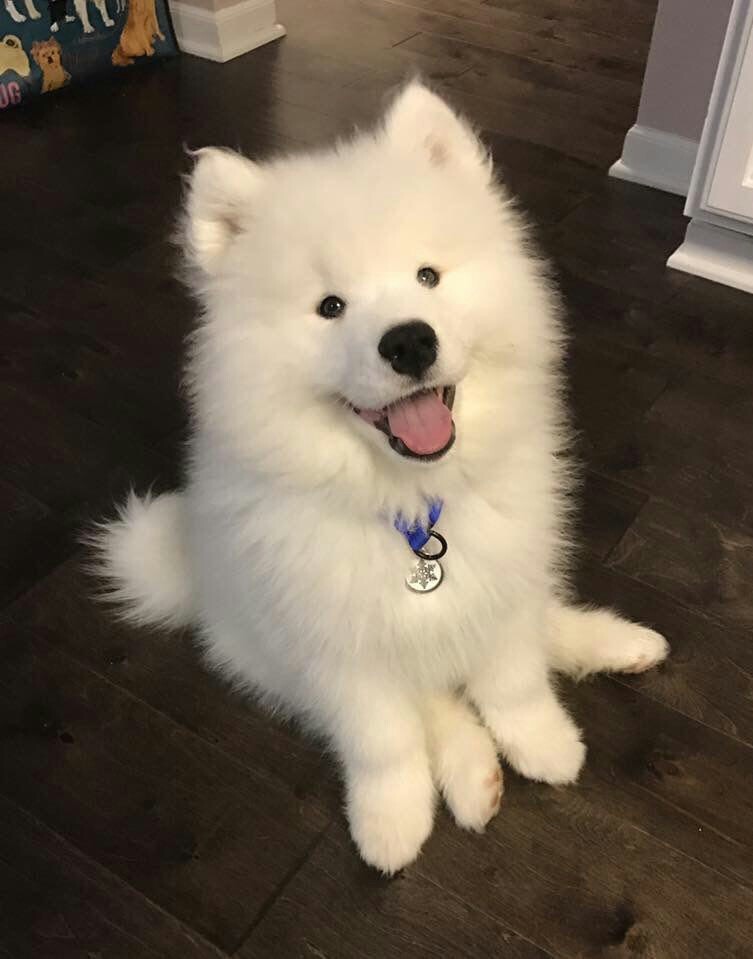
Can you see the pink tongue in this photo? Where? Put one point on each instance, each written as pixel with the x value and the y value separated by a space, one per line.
pixel 422 422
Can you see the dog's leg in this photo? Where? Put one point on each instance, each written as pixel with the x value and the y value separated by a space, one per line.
pixel 83 15
pixel 15 15
pixel 464 761
pixel 379 735
pixel 102 7
pixel 518 704
pixel 584 641
pixel 32 10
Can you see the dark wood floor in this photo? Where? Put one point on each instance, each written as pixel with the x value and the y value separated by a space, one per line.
pixel 145 811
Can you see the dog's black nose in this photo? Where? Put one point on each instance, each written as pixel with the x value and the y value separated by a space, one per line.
pixel 410 348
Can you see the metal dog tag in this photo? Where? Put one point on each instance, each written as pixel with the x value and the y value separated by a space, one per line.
pixel 424 576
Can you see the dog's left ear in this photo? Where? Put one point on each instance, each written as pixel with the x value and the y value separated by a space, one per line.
pixel 419 121
pixel 221 194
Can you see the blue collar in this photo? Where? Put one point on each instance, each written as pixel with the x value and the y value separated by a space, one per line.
pixel 418 533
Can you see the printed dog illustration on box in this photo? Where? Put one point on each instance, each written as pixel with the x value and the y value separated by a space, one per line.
pixel 47 55
pixel 12 56
pixel 16 16
pixel 60 12
pixel 139 32
pixel 80 7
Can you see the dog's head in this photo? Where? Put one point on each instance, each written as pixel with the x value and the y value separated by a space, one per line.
pixel 355 295
pixel 46 53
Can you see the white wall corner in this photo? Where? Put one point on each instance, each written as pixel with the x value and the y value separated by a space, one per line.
pixel 221 35
pixel 656 158
pixel 724 256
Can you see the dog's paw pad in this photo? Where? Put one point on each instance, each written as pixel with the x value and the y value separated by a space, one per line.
pixel 476 800
pixel 494 785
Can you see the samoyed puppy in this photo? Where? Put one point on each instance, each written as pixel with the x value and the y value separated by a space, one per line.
pixel 372 533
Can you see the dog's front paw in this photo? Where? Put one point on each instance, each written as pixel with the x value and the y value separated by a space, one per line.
pixel 391 813
pixel 470 777
pixel 545 747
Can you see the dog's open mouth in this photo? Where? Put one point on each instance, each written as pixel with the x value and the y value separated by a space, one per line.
pixel 419 426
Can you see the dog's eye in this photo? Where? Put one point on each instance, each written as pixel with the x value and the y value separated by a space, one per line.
pixel 427 276
pixel 331 307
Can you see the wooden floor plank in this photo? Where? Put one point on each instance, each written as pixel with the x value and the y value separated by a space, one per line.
pixel 620 239
pixel 558 867
pixel 607 510
pixel 610 398
pixel 709 675
pixel 360 28
pixel 535 96
pixel 498 71
pixel 32 540
pixel 651 767
pixel 708 333
pixel 545 129
pixel 58 457
pixel 635 16
pixel 59 904
pixel 338 908
pixel 166 671
pixel 77 372
pixel 374 24
pixel 541 38
pixel 196 832
pixel 665 431
pixel 714 575
pixel 588 883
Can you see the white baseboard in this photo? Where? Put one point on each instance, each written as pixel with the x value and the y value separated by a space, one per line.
pixel 658 159
pixel 223 34
pixel 724 256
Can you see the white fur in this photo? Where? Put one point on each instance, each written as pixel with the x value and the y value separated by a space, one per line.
pixel 281 550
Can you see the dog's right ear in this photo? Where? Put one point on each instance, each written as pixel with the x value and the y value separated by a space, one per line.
pixel 221 193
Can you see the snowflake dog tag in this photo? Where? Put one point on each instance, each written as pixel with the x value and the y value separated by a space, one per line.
pixel 425 576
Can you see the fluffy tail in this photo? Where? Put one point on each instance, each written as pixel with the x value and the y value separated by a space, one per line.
pixel 143 557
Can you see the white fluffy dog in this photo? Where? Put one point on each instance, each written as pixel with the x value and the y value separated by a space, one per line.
pixel 377 338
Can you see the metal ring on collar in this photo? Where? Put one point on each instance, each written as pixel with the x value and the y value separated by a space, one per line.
pixel 442 547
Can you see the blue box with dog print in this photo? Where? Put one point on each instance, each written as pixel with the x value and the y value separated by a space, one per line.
pixel 47 44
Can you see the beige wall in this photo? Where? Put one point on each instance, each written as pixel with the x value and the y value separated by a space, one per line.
pixel 685 48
